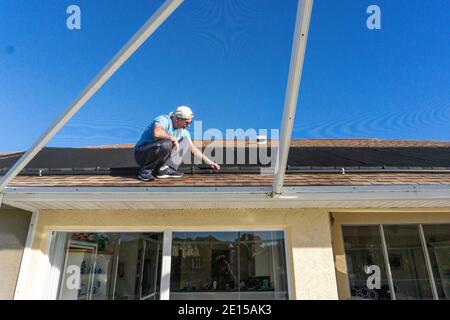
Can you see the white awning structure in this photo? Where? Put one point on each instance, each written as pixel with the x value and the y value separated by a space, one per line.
pixel 296 65
pixel 290 104
pixel 119 59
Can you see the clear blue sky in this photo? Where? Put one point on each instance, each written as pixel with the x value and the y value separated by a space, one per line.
pixel 228 60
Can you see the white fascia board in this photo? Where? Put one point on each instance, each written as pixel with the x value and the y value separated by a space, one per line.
pixel 145 190
pixel 372 193
pixel 137 194
pixel 235 197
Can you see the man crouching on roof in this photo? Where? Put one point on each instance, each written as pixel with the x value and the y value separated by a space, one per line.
pixel 163 145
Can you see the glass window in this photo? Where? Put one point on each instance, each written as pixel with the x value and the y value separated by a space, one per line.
pixel 228 265
pixel 406 254
pixel 204 262
pixel 363 249
pixel 100 266
pixel 407 261
pixel 438 244
pixel 262 265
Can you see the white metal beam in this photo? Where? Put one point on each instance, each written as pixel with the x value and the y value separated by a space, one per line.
pixel 25 264
pixel 386 263
pixel 295 71
pixel 166 266
pixel 116 62
pixel 428 263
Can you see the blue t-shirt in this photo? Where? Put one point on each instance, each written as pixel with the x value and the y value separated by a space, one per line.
pixel 166 122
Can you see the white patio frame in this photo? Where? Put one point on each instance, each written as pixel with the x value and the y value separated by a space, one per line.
pixel 302 23
pixel 116 62
pixel 303 17
pixel 25 264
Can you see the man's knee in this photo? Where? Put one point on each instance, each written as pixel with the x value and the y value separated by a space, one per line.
pixel 166 146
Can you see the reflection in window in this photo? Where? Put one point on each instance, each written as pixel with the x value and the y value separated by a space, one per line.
pixel 407 261
pixel 409 270
pixel 100 266
pixel 228 265
pixel 437 238
pixel 363 249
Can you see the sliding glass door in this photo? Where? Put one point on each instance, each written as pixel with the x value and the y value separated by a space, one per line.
pixel 398 261
pixel 437 238
pixel 116 266
pixel 228 265
pixel 203 265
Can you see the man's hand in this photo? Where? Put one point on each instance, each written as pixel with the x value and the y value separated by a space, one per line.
pixel 197 153
pixel 215 166
pixel 176 146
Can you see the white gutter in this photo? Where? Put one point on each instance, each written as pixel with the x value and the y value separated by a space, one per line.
pixel 117 194
pixel 230 197
pixel 304 11
pixel 119 59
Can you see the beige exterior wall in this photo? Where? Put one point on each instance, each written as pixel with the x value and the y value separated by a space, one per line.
pixel 13 233
pixel 371 217
pixel 310 255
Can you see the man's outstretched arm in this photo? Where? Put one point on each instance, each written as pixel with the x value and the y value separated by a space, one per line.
pixel 197 153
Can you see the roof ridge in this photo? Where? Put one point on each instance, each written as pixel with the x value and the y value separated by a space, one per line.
pixel 309 142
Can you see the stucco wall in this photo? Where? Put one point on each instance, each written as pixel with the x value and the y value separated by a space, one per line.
pixel 13 233
pixel 308 236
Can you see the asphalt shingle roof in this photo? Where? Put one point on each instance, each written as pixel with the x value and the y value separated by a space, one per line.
pixel 199 180
pixel 310 162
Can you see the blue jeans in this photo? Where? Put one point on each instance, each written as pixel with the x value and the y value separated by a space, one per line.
pixel 154 155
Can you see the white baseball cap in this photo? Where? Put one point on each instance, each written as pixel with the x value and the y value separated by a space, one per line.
pixel 183 112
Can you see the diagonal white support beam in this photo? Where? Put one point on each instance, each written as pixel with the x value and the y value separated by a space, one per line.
pixel 116 62
pixel 303 19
